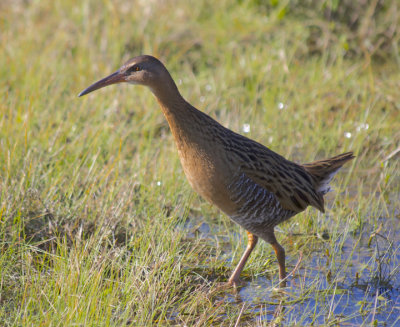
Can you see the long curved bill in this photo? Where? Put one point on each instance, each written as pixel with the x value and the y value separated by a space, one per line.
pixel 114 78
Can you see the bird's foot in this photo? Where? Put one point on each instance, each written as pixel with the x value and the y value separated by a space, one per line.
pixel 230 284
pixel 282 283
pixel 234 283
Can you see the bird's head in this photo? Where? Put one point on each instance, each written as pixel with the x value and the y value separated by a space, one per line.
pixel 142 70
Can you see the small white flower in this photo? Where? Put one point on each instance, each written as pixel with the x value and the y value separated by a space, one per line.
pixel 362 126
pixel 347 135
pixel 246 128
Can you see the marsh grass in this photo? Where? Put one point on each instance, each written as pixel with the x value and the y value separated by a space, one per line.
pixel 98 224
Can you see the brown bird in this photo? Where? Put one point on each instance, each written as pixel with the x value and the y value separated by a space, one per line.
pixel 256 187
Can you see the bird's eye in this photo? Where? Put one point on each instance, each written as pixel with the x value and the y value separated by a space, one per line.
pixel 134 68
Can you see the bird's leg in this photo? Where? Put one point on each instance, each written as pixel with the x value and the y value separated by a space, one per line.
pixel 252 241
pixel 280 255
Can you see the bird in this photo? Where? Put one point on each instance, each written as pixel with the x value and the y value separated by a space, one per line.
pixel 254 186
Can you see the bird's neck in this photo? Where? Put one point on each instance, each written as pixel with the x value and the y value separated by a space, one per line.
pixel 184 120
pixel 170 100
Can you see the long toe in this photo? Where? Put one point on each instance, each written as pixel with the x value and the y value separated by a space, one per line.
pixel 235 282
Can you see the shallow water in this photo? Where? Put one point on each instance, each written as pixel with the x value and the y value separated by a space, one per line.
pixel 361 286
pixel 349 299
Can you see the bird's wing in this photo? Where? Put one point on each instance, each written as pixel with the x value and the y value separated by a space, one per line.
pixel 293 185
pixel 290 183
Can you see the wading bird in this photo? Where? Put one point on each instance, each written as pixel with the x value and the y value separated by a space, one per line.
pixel 256 187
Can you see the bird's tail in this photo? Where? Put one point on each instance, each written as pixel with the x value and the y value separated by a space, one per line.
pixel 324 170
